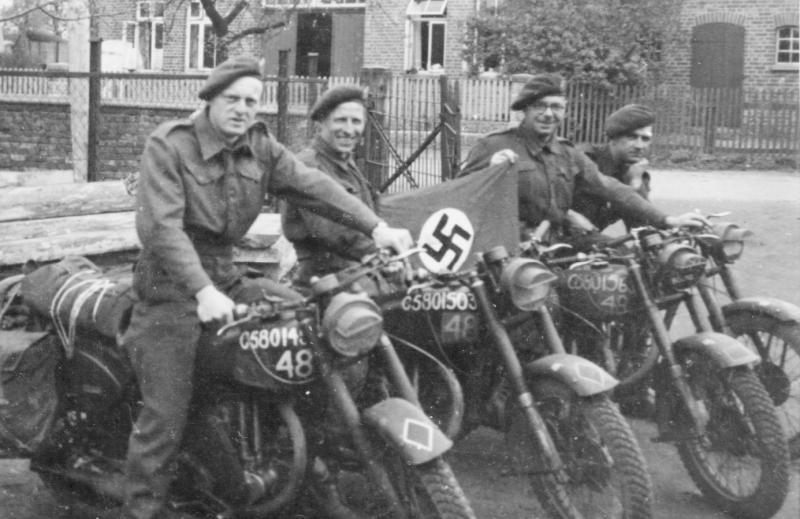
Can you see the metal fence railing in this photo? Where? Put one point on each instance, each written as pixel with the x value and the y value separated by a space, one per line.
pixel 756 122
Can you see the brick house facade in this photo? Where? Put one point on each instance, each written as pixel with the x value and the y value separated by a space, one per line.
pixel 729 41
pixel 171 36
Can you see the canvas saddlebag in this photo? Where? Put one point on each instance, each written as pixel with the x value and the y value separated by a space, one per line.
pixel 77 295
pixel 28 398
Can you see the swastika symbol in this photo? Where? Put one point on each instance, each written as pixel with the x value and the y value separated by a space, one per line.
pixel 446 241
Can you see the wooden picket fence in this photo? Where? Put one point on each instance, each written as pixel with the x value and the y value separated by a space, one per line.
pixel 752 121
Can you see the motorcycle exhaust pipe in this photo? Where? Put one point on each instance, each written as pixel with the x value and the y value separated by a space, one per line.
pixel 107 485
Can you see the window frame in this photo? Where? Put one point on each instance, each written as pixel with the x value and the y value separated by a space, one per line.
pixel 793 51
pixel 203 24
pixel 418 12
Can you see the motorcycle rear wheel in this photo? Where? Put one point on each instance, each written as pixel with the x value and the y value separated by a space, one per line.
pixel 741 463
pixel 605 470
pixel 779 370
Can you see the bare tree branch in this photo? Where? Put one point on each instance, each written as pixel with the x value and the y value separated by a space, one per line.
pixel 235 11
pixel 217 21
pixel 38 7
pixel 255 30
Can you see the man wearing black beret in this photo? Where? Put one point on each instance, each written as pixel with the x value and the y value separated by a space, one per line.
pixel 203 181
pixel 324 246
pixel 551 170
pixel 624 157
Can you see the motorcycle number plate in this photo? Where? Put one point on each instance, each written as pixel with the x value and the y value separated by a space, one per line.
pixel 459 327
pixel 281 351
pixel 439 299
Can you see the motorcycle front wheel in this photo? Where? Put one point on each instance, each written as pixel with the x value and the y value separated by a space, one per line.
pixel 604 475
pixel 779 370
pixel 741 463
pixel 426 491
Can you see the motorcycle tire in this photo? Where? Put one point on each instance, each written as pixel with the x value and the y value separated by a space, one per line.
pixel 741 463
pixel 779 370
pixel 426 491
pixel 605 473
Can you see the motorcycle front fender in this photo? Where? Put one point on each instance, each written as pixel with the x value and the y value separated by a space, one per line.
pixel 725 351
pixel 582 375
pixel 783 311
pixel 405 426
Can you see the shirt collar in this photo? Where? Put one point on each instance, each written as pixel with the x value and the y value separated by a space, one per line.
pixel 535 145
pixel 210 141
pixel 326 149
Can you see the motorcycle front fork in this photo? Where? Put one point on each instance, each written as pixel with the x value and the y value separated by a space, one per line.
pixel 516 378
pixel 673 370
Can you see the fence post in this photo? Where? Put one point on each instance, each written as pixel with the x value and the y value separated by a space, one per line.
pixel 95 55
pixel 709 119
pixel 282 95
pixel 451 127
pixel 376 80
pixel 313 67
pixel 77 30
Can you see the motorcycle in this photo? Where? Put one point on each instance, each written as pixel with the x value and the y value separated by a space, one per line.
pixel 290 413
pixel 562 430
pixel 708 399
pixel 769 326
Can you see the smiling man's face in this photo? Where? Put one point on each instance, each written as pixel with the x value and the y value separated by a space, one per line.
pixel 343 127
pixel 544 116
pixel 233 110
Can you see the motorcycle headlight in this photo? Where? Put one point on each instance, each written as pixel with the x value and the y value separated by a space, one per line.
pixel 680 266
pixel 352 324
pixel 732 237
pixel 527 282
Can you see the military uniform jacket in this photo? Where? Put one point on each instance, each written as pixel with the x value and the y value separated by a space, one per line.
pixel 328 244
pixel 603 213
pixel 197 197
pixel 550 173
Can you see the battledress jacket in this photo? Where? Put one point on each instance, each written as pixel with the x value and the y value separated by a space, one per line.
pixel 323 244
pixel 197 197
pixel 603 213
pixel 550 173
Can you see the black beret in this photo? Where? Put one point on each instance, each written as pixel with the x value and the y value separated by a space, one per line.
pixel 333 98
pixel 226 73
pixel 627 119
pixel 537 87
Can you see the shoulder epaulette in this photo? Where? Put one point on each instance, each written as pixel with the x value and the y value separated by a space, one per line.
pixel 166 128
pixel 565 142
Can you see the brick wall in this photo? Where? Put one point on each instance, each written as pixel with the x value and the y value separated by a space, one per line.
pixel 37 136
pixel 34 136
pixel 759 20
pixel 385 36
pixel 115 12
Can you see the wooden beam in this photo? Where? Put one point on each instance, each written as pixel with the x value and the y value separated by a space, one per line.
pixel 51 239
pixel 51 201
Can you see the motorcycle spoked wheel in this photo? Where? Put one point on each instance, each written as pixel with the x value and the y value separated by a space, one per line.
pixel 426 491
pixel 741 463
pixel 286 457
pixel 605 473
pixel 779 370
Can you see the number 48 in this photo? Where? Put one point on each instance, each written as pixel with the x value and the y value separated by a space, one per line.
pixel 296 364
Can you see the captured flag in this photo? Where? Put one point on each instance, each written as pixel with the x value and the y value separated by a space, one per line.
pixel 455 220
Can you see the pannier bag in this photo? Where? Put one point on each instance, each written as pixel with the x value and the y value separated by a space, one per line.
pixel 28 397
pixel 77 295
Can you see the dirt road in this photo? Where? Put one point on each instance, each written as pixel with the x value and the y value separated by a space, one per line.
pixel 767 203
